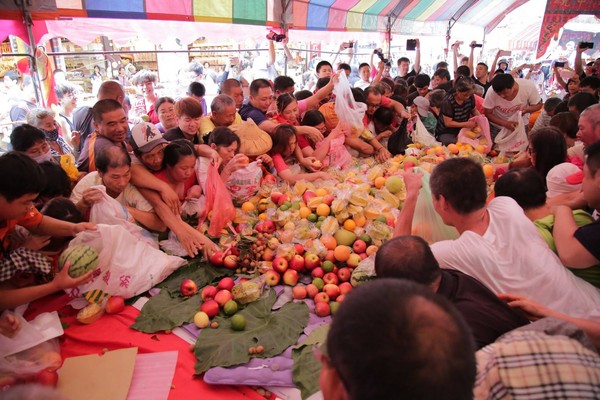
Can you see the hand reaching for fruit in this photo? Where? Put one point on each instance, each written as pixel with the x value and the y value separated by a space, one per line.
pixel 9 324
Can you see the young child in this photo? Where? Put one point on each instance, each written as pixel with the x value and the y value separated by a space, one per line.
pixel 20 183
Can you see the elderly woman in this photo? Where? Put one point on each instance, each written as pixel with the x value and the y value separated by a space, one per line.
pixel 43 119
pixel 145 81
pixel 165 109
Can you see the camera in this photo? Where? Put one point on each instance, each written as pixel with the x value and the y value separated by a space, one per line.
pixel 586 45
pixel 380 55
pixel 278 37
pixel 559 64
pixel 411 44
pixel 350 44
pixel 477 45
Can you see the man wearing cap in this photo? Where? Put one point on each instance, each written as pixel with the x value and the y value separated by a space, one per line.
pixel 110 129
pixel 148 147
pixel 223 113
pixel 114 173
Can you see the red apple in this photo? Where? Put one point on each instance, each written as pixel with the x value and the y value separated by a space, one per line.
pixel 275 196
pixel 344 274
pixel 391 222
pixel 234 250
pixel 408 164
pixel 242 280
pixel 345 287
pixel 317 272
pixel 280 264
pixel 311 261
pixel 328 199
pixel 226 283
pixel 299 292
pixel 321 297
pixel 283 199
pixel 230 262
pixel 353 260
pixel 272 277
pixel 297 263
pixel 269 226
pixel 209 292
pixel 47 377
pixel 311 290
pixel 363 256
pixel 210 307
pixel 217 258
pixel 290 277
pixel 299 248
pixel 330 256
pixel 333 291
pixel 322 309
pixel 340 298
pixel 359 246
pixel 223 296
pixel 188 287
pixel 308 195
pixel 115 305
pixel 330 277
pixel 372 249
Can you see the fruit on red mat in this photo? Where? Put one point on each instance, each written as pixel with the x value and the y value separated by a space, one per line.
pixel 353 260
pixel 299 292
pixel 210 307
pixel 7 381
pixel 344 274
pixel 230 262
pixel 188 287
pixel 230 308
pixel 359 246
pixel 334 306
pixel 318 282
pixel 226 283
pixel 317 272
pixel 297 263
pixel 333 291
pixel 290 277
pixel 208 292
pixel 201 319
pixel 322 309
pixel 272 277
pixel 311 261
pixel 82 258
pixel 330 277
pixel 217 258
pixel 311 290
pixel 299 248
pixel 345 287
pixel 280 264
pixel 90 313
pixel 47 377
pixel 321 297
pixel 328 266
pixel 115 305
pixel 223 296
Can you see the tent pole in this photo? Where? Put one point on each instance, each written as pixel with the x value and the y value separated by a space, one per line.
pixel 32 61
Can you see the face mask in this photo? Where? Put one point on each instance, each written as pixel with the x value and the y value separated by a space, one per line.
pixel 44 157
pixel 51 135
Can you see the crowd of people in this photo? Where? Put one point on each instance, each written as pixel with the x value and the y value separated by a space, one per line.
pixel 530 253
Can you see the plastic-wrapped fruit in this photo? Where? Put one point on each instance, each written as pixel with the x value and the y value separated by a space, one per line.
pixel 90 313
pixel 330 226
pixel 359 198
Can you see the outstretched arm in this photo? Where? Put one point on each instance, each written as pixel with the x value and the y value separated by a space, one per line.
pixel 413 183
pixel 417 64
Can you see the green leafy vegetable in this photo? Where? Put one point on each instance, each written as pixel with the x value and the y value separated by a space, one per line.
pixel 164 312
pixel 306 369
pixel 276 331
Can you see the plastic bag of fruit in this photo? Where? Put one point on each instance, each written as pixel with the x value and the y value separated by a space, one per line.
pixel 249 291
pixel 346 108
pixel 244 182
pixel 480 135
pixel 36 364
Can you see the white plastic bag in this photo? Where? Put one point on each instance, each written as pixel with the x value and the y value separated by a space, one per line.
pixel 110 212
pixel 127 266
pixel 508 141
pixel 421 135
pixel 244 182
pixel 346 108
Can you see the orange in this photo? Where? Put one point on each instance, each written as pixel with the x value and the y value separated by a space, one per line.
pixel 488 170
pixel 379 182
pixel 262 216
pixel 453 148
pixel 360 220
pixel 342 253
pixel 480 148
pixel 328 241
pixel 320 192
pixel 323 210
pixel 248 206
pixel 349 225
pixel 304 212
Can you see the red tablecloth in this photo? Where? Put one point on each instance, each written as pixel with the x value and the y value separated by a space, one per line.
pixel 112 332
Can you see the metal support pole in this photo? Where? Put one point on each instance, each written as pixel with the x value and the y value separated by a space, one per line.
pixel 35 78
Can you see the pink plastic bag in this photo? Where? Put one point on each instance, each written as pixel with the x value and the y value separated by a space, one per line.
pixel 218 200
pixel 484 137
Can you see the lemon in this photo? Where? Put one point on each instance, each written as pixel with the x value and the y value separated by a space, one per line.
pixel 238 322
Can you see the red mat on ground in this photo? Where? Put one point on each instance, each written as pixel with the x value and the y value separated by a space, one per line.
pixel 112 332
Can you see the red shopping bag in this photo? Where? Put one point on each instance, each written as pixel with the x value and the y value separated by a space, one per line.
pixel 218 202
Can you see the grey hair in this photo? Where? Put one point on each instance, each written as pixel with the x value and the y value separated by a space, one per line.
pixel 220 102
pixel 36 116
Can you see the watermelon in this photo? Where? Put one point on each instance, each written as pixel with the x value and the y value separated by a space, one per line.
pixel 83 258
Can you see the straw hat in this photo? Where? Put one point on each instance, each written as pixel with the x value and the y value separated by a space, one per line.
pixel 254 141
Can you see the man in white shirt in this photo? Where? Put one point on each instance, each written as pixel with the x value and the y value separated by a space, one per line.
pixel 113 166
pixel 498 244
pixel 506 97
